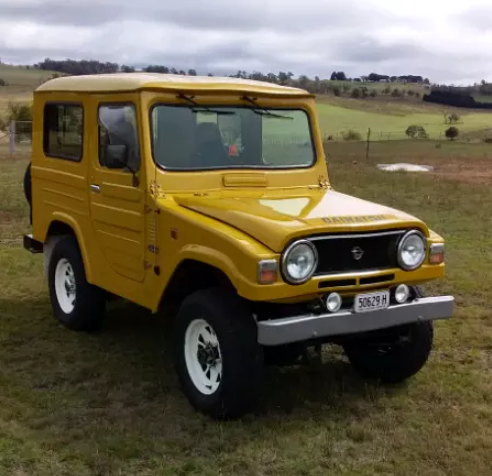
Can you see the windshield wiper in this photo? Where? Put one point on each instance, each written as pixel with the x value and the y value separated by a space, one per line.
pixel 262 111
pixel 198 107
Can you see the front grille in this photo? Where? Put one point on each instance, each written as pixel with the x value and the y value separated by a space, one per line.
pixel 338 254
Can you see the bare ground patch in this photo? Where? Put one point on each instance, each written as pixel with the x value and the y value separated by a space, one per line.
pixel 462 170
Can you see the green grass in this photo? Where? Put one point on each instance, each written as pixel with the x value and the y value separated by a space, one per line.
pixel 20 83
pixel 389 120
pixel 109 403
pixel 23 77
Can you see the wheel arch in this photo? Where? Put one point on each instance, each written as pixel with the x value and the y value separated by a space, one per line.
pixel 64 225
pixel 189 276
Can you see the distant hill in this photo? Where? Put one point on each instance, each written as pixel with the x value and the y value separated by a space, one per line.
pixel 23 77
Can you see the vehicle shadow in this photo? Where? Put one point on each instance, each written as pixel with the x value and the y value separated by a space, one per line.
pixel 120 383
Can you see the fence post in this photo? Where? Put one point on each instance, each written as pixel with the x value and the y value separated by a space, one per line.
pixel 368 142
pixel 12 137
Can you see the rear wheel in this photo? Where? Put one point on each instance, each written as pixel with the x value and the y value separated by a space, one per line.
pixel 78 305
pixel 27 185
pixel 218 359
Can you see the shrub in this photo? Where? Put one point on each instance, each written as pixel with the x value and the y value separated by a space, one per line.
pixel 351 135
pixel 337 91
pixel 346 88
pixel 396 93
pixel 410 93
pixel 355 93
pixel 387 90
pixel 417 95
pixel 3 82
pixel 416 132
pixel 373 93
pixel 19 112
pixel 453 118
pixel 452 133
pixel 3 124
pixel 488 140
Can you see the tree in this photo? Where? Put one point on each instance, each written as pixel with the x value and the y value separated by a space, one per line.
pixel 303 81
pixel 351 135
pixel 127 69
pixel 452 133
pixel 192 72
pixel 355 93
pixel 453 118
pixel 283 78
pixel 416 132
pixel 156 69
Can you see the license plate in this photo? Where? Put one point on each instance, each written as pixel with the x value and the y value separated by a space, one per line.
pixel 371 302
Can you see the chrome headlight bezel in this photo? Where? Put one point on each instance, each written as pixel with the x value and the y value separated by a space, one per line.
pixel 407 235
pixel 285 256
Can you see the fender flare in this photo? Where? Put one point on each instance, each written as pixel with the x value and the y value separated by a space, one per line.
pixel 69 221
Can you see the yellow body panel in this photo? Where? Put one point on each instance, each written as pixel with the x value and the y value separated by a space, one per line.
pixel 229 219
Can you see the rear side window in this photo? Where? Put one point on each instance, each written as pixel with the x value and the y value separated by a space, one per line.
pixel 63 131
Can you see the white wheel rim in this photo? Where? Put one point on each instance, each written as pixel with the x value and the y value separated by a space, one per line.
pixel 65 286
pixel 203 356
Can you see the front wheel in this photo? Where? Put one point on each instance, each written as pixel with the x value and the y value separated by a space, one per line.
pixel 392 355
pixel 218 359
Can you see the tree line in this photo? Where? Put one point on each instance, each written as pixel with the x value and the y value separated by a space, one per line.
pixel 315 85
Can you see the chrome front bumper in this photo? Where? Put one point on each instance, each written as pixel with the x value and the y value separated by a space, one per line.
pixel 312 326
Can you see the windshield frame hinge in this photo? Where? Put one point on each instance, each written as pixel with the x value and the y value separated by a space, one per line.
pixel 323 182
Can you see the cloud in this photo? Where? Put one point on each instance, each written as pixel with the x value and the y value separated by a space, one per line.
pixel 311 37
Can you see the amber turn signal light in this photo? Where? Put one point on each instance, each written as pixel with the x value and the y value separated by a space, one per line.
pixel 436 253
pixel 267 271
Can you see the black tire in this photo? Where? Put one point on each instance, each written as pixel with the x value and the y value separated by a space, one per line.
pixel 395 354
pixel 241 355
pixel 90 301
pixel 27 185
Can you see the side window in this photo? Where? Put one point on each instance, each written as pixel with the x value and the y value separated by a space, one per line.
pixel 118 137
pixel 63 131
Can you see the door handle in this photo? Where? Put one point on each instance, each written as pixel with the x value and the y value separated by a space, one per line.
pixel 95 188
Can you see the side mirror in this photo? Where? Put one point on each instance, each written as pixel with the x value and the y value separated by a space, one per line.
pixel 116 156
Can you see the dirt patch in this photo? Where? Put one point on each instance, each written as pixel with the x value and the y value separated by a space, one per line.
pixel 462 170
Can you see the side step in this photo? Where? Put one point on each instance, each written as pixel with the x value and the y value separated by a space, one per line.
pixel 32 245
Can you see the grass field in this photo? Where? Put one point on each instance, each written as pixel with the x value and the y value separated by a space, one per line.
pixel 20 83
pixel 389 119
pixel 109 403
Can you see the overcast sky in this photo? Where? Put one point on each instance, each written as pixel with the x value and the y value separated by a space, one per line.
pixel 445 40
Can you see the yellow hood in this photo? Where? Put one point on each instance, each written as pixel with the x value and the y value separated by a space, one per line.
pixel 275 218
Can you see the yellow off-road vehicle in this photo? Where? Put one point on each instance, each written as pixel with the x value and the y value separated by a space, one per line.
pixel 210 197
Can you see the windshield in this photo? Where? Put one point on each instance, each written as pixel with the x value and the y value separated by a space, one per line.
pixel 195 137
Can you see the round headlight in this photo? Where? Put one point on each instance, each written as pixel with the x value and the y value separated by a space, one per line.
pixel 299 262
pixel 411 250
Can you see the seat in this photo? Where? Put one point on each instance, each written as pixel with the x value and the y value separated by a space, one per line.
pixel 208 149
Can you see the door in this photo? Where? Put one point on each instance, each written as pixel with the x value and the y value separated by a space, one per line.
pixel 116 194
